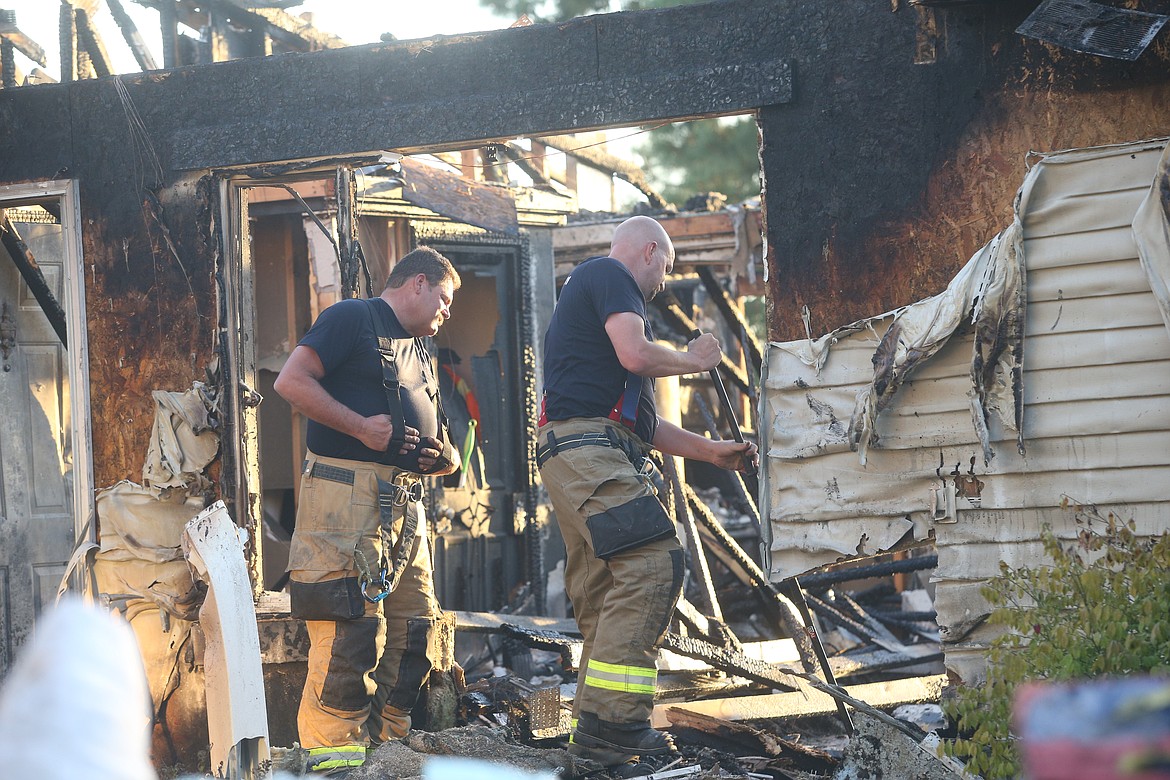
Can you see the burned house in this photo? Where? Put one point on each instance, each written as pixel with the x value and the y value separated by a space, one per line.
pixel 173 265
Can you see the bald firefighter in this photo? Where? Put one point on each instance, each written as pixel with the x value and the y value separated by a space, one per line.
pixel 624 564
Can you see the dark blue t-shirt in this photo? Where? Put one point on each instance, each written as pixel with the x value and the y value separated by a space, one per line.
pixel 582 374
pixel 345 342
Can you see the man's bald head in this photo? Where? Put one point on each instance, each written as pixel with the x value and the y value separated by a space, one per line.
pixel 642 246
pixel 632 236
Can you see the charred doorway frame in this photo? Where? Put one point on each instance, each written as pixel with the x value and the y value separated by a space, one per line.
pixel 237 347
pixel 523 341
pixel 77 351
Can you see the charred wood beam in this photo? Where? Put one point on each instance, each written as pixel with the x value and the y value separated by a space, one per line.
pixel 7 63
pixel 733 317
pixel 493 623
pixel 695 621
pixel 827 578
pixel 613 70
pixel 673 312
pixel 786 608
pixel 860 628
pixel 133 38
pixel 732 661
pixel 570 648
pixel 168 22
pixel 68 41
pixel 89 39
pixel 773 744
pixel 699 567
pixel 778 677
pixel 21 42
pixel 31 272
pixel 887 639
pixel 349 249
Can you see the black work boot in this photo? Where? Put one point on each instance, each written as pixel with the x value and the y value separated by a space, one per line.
pixel 610 744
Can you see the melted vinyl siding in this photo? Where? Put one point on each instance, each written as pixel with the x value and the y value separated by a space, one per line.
pixel 1096 419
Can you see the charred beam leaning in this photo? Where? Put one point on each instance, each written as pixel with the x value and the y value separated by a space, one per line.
pixel 733 317
pixel 699 567
pixel 778 677
pixel 749 468
pixel 133 37
pixel 87 36
pixel 27 265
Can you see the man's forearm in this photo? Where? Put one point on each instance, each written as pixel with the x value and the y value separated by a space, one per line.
pixel 309 398
pixel 656 360
pixel 670 439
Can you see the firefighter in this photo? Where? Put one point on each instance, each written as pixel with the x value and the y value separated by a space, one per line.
pixel 624 564
pixel 359 565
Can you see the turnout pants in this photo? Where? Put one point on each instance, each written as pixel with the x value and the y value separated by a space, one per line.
pixel 623 568
pixel 367 661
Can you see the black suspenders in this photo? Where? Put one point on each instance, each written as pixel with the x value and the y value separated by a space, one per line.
pixel 390 383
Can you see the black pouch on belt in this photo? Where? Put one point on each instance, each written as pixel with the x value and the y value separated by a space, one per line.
pixel 339 599
pixel 628 526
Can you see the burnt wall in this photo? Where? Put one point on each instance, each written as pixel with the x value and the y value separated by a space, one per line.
pixel 149 266
pixel 883 177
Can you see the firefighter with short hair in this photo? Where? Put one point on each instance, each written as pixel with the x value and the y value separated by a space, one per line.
pixel 360 569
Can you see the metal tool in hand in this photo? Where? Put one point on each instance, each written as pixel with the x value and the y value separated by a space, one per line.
pixel 749 466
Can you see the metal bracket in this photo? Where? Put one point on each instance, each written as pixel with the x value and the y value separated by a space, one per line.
pixel 942 503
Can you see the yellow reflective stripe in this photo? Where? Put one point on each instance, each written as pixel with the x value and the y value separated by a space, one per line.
pixel 616 677
pixel 613 685
pixel 319 751
pixel 325 758
pixel 647 672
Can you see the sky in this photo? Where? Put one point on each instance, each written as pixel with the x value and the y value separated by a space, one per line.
pixel 355 21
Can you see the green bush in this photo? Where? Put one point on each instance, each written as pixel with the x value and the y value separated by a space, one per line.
pixel 1100 608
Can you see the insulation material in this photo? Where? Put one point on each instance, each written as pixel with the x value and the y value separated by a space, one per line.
pixel 141 555
pixel 182 442
pixel 900 427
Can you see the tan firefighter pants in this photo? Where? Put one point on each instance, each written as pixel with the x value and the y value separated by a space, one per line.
pixel 367 661
pixel 623 567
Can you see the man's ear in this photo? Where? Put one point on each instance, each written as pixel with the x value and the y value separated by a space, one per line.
pixel 419 281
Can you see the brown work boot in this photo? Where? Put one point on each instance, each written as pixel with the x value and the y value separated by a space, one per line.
pixel 611 744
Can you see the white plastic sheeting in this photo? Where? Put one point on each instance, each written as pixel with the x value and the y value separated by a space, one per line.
pixel 76 704
pixel 1092 232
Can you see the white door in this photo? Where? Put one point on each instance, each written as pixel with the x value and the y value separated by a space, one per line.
pixel 36 454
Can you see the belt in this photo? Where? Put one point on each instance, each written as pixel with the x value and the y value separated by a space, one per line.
pixel 401 493
pixel 608 438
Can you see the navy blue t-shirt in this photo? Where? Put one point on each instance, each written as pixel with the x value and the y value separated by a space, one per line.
pixel 345 341
pixel 582 374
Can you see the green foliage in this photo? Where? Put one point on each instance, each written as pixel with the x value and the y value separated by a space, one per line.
pixel 709 155
pixel 562 10
pixel 1099 609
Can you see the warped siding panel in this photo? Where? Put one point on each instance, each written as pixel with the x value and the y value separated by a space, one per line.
pixel 1096 412
pixel 1073 217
